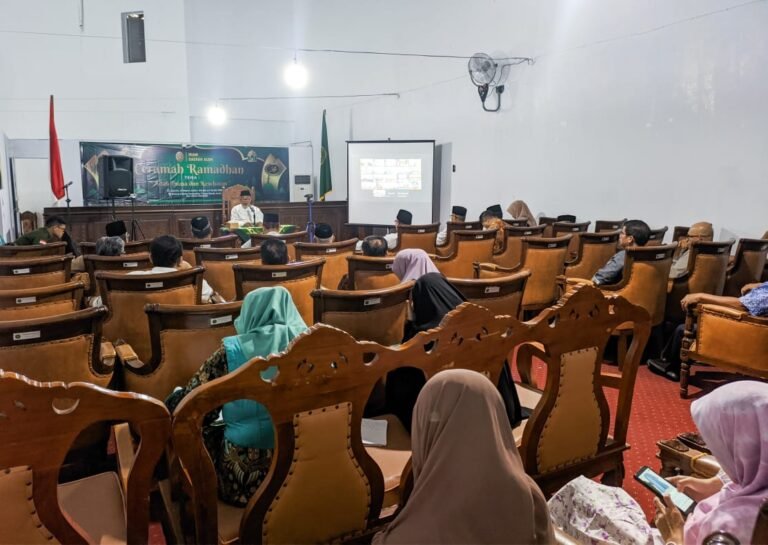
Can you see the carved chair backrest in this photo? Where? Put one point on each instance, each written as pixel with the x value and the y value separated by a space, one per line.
pixel 35 272
pixel 189 244
pixel 609 225
pixel 656 238
pixel 502 295
pixel 470 247
pixel 124 263
pixel 218 264
pixel 595 249
pixel 561 228
pixel 748 265
pixel 453 226
pixel 512 251
pixel 131 247
pixel 335 255
pixel 423 237
pixel 545 258
pixel 27 252
pixel 42 302
pixel 288 238
pixel 370 273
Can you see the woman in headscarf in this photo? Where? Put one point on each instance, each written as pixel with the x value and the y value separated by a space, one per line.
pixel 469 484
pixel 733 421
pixel 412 264
pixel 268 322
pixel 520 211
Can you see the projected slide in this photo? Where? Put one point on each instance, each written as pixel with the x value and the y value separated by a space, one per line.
pixel 386 176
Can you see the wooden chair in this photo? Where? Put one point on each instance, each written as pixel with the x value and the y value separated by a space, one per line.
pixel 28 252
pixel 367 315
pixel 549 224
pixel 189 245
pixel 124 263
pixel 470 247
pixel 218 264
pixel 35 272
pixel 41 422
pixel 609 225
pixel 707 266
pixel 335 255
pixel 182 337
pixel 449 248
pixel 125 296
pixel 545 258
pixel 515 223
pixel 595 249
pixel 67 347
pixel 131 247
pixel 370 273
pixel 42 302
pixel 748 265
pixel 512 252
pixel 502 295
pixel 423 237
pixel 656 238
pixel 289 239
pixel 725 338
pixel 230 197
pixel 298 278
pixel 28 221
pixel 561 228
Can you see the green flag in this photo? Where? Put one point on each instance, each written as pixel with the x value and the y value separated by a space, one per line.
pixel 325 164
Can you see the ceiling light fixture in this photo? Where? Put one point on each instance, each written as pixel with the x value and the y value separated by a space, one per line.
pixel 295 75
pixel 217 115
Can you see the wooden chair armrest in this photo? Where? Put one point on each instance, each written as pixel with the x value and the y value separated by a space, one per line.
pixel 128 357
pixel 107 354
pixel 492 269
pixel 726 312
pixel 124 452
pixel 573 281
pixel 82 277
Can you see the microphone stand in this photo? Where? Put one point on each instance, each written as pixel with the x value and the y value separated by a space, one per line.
pixel 72 245
pixel 68 200
pixel 310 223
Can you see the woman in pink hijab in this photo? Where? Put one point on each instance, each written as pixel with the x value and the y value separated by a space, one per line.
pixel 469 484
pixel 412 264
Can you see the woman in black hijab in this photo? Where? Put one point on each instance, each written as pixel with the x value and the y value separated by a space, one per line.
pixel 432 297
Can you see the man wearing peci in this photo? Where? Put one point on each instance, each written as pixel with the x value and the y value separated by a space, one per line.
pixel 245 213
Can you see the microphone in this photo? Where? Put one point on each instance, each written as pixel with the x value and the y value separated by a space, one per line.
pixel 69 184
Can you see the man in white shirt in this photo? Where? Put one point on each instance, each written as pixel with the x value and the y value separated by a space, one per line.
pixel 245 213
pixel 458 214
pixel 165 253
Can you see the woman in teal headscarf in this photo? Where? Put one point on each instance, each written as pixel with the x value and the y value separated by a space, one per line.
pixel 268 322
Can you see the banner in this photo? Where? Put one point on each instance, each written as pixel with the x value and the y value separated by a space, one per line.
pixel 187 174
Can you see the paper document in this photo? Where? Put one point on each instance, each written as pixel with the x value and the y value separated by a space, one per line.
pixel 374 432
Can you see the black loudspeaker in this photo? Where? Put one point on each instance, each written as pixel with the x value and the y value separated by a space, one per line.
pixel 116 176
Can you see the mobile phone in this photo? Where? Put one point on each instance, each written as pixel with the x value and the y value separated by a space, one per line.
pixel 660 486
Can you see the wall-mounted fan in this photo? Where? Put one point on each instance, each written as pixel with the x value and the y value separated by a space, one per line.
pixel 484 73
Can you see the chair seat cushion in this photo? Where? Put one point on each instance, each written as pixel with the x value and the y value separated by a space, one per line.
pixel 393 458
pixel 96 504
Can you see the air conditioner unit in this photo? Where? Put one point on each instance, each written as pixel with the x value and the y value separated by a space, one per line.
pixel 302 185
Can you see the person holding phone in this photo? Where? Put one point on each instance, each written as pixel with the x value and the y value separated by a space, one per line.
pixel 733 421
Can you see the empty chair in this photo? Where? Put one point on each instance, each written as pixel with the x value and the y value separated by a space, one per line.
pixel 298 278
pixel 515 223
pixel 512 252
pixel 502 295
pixel 289 239
pixel 335 255
pixel 367 315
pixel 182 337
pixel 571 228
pixel 218 266
pixel 748 265
pixel 423 237
pixel 123 263
pixel 189 244
pixel 656 238
pixel 133 247
pixel 548 224
pixel 707 266
pixel 609 225
pixel 452 226
pixel 469 247
pixel 38 250
pixel 125 295
pixel 595 249
pixel 42 302
pixel 35 272
pixel 41 422
pixel 370 273
pixel 67 347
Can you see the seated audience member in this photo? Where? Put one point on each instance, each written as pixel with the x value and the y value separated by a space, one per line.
pixel 245 213
pixel 165 253
pixel 754 301
pixel 495 210
pixel 733 421
pixel 274 251
pixel 272 223
pixel 116 229
pixel 459 443
pixel 107 246
pixel 458 214
pixel 201 228
pixel 374 246
pixel 698 231
pixel 403 217
pixel 490 222
pixel 54 230
pixel 412 264
pixel 520 211
pixel 268 322
pixel 633 233
pixel 324 234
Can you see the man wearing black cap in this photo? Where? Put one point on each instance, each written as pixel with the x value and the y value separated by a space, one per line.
pixel 116 228
pixel 245 213
pixel 403 218
pixel 323 234
pixel 201 228
pixel 496 211
pixel 458 214
pixel 271 222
